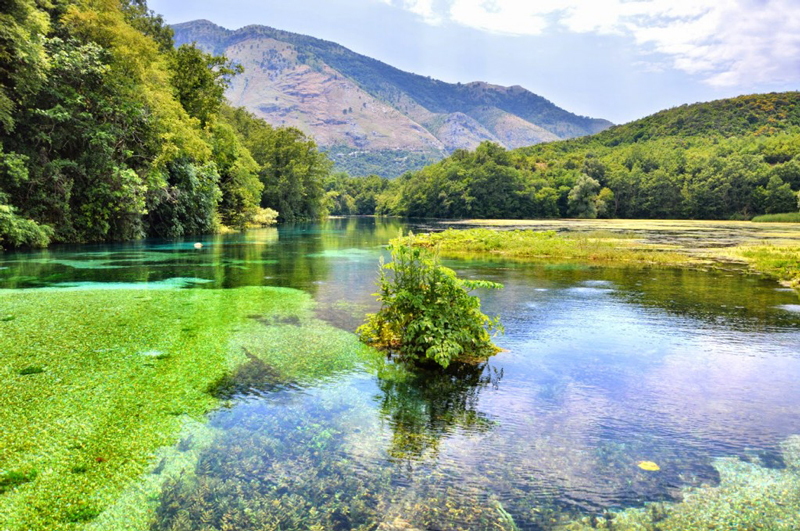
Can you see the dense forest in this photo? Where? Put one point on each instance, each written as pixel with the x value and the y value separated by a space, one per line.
pixel 109 132
pixel 728 159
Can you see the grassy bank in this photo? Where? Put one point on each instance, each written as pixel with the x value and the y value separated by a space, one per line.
pixel 792 217
pixel 96 381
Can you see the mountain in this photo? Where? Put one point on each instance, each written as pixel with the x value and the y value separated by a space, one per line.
pixel 370 116
pixel 752 114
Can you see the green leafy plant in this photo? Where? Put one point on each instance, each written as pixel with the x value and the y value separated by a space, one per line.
pixel 427 312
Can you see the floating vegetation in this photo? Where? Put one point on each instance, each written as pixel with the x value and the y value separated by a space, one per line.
pixel 92 423
pixel 603 247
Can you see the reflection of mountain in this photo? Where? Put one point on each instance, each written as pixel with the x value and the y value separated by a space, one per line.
pixel 423 406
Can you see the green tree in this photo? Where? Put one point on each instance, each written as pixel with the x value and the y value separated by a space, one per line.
pixel 605 203
pixel 293 171
pixel 188 205
pixel 583 198
pixel 23 58
pixel 778 196
pixel 200 80
pixel 239 182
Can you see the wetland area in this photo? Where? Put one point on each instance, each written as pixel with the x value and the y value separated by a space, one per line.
pixel 151 385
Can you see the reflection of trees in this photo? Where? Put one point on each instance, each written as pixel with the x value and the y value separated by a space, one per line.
pixel 423 406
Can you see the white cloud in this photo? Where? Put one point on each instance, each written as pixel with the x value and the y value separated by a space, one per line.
pixel 423 8
pixel 726 42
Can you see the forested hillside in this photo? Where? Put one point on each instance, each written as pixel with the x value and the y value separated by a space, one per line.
pixel 107 132
pixel 370 116
pixel 727 159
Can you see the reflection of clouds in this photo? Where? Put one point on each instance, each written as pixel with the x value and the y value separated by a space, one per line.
pixel 736 391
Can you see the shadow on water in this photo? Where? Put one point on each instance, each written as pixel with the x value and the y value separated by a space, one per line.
pixel 255 377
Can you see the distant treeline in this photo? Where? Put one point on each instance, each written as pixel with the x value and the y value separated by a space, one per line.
pixel 107 132
pixel 729 159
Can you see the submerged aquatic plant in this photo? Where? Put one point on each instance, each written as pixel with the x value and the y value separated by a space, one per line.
pixel 14 478
pixel 749 496
pixel 427 313
pixel 124 375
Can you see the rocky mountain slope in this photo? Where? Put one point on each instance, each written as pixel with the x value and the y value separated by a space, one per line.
pixel 372 117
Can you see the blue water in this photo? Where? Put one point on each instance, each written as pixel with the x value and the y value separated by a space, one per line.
pixel 602 368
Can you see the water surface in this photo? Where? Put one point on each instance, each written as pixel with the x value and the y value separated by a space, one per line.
pixel 603 368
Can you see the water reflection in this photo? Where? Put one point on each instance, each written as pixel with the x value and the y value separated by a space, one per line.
pixel 423 406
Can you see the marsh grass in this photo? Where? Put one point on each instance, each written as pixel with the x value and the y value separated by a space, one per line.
pixel 92 423
pixel 602 247
pixel 693 245
pixel 790 217
pixel 778 261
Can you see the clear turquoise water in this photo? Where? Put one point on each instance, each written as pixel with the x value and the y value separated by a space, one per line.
pixel 603 368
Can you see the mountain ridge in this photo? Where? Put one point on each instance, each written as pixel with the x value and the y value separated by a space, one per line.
pixel 361 109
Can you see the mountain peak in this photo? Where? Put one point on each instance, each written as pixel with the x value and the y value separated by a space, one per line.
pixel 361 109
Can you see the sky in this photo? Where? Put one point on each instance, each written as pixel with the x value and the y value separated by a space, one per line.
pixel 614 59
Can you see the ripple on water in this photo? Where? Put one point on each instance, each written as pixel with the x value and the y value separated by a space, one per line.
pixel 795 308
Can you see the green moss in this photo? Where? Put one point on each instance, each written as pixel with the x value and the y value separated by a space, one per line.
pixel 127 371
pixel 12 479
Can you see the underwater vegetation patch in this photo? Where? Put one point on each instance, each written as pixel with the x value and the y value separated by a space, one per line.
pixel 749 496
pixel 12 479
pixel 124 374
pixel 31 369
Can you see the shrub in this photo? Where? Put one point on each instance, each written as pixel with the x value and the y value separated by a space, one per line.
pixel 16 231
pixel 790 217
pixel 427 312
pixel 264 217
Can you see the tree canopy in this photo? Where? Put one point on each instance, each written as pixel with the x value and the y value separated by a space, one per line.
pixel 731 159
pixel 107 132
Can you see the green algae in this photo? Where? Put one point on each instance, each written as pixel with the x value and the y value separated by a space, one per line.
pixel 127 371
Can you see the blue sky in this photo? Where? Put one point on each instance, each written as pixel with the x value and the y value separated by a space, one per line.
pixel 614 59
